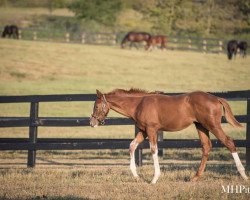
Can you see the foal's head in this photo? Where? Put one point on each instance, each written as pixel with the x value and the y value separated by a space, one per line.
pixel 100 110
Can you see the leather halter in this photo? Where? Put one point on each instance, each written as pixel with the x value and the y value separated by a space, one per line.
pixel 104 105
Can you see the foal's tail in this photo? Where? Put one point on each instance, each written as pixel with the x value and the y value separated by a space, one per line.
pixel 228 113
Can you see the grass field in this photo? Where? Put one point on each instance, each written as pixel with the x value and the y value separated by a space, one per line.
pixel 40 68
pixel 28 67
pixel 51 68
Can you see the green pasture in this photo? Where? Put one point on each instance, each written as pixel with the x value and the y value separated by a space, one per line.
pixel 29 68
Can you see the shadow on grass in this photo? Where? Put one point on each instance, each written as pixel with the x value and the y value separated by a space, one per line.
pixel 69 197
pixel 223 168
pixel 220 169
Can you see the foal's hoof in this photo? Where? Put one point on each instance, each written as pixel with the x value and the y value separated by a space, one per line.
pixel 195 178
pixel 137 178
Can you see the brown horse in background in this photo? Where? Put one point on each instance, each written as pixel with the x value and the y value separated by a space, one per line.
pixel 9 31
pixel 157 40
pixel 133 37
pixel 153 112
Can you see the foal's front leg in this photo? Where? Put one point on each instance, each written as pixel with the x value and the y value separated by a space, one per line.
pixel 152 136
pixel 133 145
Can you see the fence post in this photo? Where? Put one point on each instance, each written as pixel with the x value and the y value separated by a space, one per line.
pixel 189 44
pixel 138 152
pixel 113 39
pixel 248 134
pixel 83 38
pixel 175 44
pixel 160 139
pixel 34 106
pixel 204 44
pixel 19 34
pixel 67 37
pixel 220 46
pixel 34 35
pixel 98 39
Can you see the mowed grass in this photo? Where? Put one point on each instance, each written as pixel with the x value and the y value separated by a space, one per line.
pixel 28 68
pixel 106 175
pixel 117 183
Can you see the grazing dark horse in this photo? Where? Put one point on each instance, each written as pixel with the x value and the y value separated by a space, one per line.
pixel 156 40
pixel 153 112
pixel 133 37
pixel 242 46
pixel 9 31
pixel 232 47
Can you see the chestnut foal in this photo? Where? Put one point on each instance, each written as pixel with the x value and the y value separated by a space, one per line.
pixel 155 40
pixel 154 111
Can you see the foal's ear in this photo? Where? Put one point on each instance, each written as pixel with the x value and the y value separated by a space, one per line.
pixel 99 94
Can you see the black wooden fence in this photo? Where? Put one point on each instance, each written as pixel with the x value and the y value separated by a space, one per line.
pixel 198 44
pixel 34 143
pixel 208 45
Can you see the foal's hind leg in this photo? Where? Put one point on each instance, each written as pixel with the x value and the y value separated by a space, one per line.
pixel 163 46
pixel 206 147
pixel 229 143
pixel 133 145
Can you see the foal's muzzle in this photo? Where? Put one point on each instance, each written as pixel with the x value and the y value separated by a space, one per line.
pixel 94 122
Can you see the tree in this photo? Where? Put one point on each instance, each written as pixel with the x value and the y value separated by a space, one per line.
pixel 53 4
pixel 102 11
pixel 162 14
pixel 165 14
pixel 189 19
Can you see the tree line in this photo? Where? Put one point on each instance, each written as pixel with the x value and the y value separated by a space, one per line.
pixel 204 18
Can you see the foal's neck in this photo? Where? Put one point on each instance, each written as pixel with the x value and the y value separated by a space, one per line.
pixel 125 105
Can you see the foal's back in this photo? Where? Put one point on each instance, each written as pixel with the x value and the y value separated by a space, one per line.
pixel 173 113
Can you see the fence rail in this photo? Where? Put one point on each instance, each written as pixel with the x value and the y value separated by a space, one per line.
pixel 80 144
pixel 33 143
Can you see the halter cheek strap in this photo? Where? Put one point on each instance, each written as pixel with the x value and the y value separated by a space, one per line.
pixel 105 101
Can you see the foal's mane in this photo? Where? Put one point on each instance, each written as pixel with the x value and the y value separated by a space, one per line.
pixel 132 91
